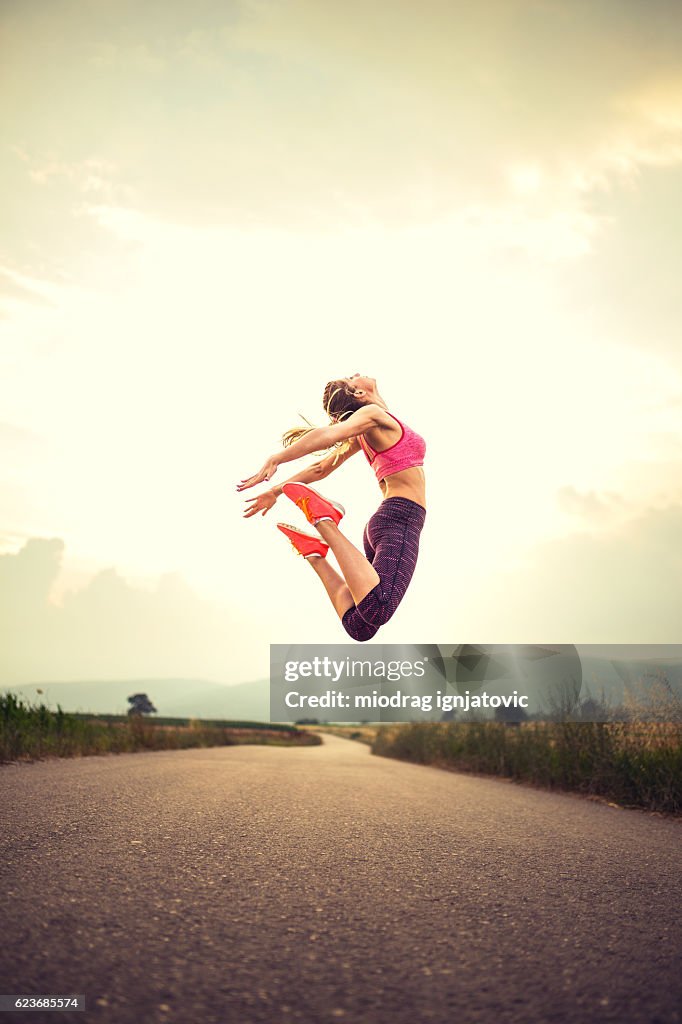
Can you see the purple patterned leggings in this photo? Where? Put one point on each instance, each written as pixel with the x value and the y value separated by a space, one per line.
pixel 391 542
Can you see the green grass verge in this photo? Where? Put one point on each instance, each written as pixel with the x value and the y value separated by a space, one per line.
pixel 634 765
pixel 217 723
pixel 30 732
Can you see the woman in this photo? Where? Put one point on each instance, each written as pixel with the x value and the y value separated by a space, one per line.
pixel 372 585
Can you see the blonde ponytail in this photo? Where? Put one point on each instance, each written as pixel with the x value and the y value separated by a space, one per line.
pixel 289 437
pixel 339 403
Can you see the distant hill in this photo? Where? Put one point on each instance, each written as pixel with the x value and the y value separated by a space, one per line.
pixel 614 679
pixel 182 698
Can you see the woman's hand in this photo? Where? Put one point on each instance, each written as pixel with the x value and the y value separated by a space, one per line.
pixel 261 503
pixel 267 471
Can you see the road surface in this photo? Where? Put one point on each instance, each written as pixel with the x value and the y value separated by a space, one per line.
pixel 322 884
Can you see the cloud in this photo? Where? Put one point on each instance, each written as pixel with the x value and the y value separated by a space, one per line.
pixel 303 114
pixel 593 507
pixel 622 585
pixel 26 577
pixel 630 284
pixel 50 239
pixel 285 111
pixel 12 433
pixel 16 289
pixel 110 628
pixel 533 129
pixel 498 182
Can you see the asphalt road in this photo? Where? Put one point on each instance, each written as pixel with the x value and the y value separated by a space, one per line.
pixel 259 884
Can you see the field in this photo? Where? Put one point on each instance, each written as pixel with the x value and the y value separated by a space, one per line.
pixel 631 764
pixel 30 732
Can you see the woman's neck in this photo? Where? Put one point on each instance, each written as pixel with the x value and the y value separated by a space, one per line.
pixel 376 399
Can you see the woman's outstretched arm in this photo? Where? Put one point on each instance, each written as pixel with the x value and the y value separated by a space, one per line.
pixel 317 439
pixel 318 471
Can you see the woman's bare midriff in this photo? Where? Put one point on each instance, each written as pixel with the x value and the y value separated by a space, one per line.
pixel 409 483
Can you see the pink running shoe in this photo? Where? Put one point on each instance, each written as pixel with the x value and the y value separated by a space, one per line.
pixel 304 543
pixel 314 507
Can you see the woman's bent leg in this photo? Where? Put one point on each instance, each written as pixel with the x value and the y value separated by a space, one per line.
pixel 358 572
pixel 394 531
pixel 341 597
pixel 356 626
pixel 374 584
pixel 335 585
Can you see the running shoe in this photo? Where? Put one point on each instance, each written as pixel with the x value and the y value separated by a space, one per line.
pixel 313 505
pixel 304 543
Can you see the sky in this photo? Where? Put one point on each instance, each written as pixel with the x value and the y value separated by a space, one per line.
pixel 210 210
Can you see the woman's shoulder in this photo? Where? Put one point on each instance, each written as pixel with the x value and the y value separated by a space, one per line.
pixel 381 416
pixel 373 415
pixel 382 421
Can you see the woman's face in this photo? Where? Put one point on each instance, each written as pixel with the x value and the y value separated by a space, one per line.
pixel 358 381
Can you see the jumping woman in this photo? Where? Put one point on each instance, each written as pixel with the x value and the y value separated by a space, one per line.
pixel 372 585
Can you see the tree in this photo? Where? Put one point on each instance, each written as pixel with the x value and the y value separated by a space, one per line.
pixel 511 716
pixel 140 705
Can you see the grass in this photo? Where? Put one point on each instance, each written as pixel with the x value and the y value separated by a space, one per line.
pixel 631 764
pixel 32 732
pixel 183 722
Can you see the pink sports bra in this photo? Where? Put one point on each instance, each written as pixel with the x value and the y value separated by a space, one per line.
pixel 406 453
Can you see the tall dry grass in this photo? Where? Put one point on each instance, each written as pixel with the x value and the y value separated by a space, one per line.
pixel 632 764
